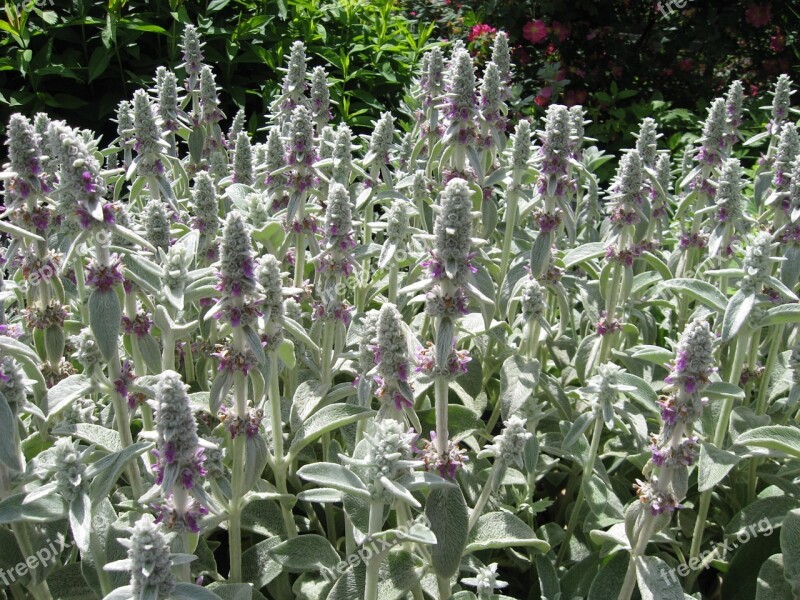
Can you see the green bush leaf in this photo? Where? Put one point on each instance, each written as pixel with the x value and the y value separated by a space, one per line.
pixel 305 553
pixel 778 438
pixel 714 465
pixel 771 583
pixel 326 419
pixel 518 379
pixel 701 291
pixel 502 530
pixel 447 513
pixel 653 584
pixel 334 476
pixel 105 315
pixel 737 313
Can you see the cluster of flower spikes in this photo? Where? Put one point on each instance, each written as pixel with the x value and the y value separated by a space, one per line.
pixel 236 275
pixel 627 206
pixel 781 101
pixel 392 360
pixel 389 457
pixel 149 146
pixel 508 446
pixel 449 268
pixel 25 161
pixel 180 457
pixel 335 261
pixel 460 107
pixel 167 100
pixel 729 201
pixel 675 447
pixel 757 263
pixel 149 561
pixel 268 275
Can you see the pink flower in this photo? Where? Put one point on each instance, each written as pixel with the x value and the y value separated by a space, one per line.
pixel 778 41
pixel 535 31
pixel 479 30
pixel 573 97
pixel 560 30
pixel 758 15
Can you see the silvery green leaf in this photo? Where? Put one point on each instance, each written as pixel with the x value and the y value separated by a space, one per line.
pixel 772 583
pixel 132 237
pixel 8 446
pixel 519 377
pixel 150 351
pixel 105 316
pixel 18 232
pixel 327 419
pixel 640 391
pixel 42 510
pixel 196 143
pixel 790 268
pixel 652 583
pixel 399 492
pixel 713 465
pixel 334 476
pixel 54 342
pixel 105 472
pixel 698 290
pixel 424 480
pixel 121 593
pixel 446 511
pixel 65 392
pixel 297 331
pixel 219 390
pixel 445 334
pixel 762 184
pixel 105 438
pixel 579 426
pixel 502 530
pixel 286 353
pixel 737 314
pixel 609 579
pixel 387 254
pixel 540 253
pixel 254 342
pixel 80 521
pixel 583 253
pixel 307 552
pixel 256 454
pixel 602 500
pixel 190 591
pixel 321 495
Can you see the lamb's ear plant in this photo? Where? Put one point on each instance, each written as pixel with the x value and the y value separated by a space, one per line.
pixel 445 359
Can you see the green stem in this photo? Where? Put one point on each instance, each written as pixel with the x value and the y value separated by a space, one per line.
pixel 373 561
pixel 740 355
pixel 442 389
pixel 588 471
pixel 495 477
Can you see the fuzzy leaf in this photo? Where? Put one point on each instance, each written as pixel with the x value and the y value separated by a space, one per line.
pixel 105 315
pixel 334 476
pixel 328 418
pixel 503 530
pixel 519 377
pixel 714 465
pixel 790 533
pixel 447 513
pixel 305 553
pixel 701 291
pixel 772 584
pixel 736 314
pixel 8 445
pixel 65 392
pixel 652 583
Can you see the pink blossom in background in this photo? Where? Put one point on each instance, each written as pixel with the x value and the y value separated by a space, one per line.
pixel 560 30
pixel 573 97
pixel 778 41
pixel 479 30
pixel 758 15
pixel 535 31
pixel 543 98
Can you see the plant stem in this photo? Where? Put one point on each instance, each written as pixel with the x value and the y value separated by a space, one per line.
pixel 740 355
pixel 442 389
pixel 588 471
pixel 495 477
pixel 373 561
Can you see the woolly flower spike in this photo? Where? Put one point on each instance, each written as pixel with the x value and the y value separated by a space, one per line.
pixel 12 385
pixel 180 457
pixel 501 56
pixel 167 88
pixel 625 205
pixel 237 125
pixel 327 138
pixel 342 155
pixel 81 188
pixel 533 300
pixel 300 145
pixel 149 144
pixel 243 160
pixel 521 146
pixel 780 102
pixel 86 350
pixel 793 196
pixel 397 226
pixel 460 105
pixel 509 445
pixel 369 331
pixel 149 561
pixel 125 125
pixel 730 208
pixel 577 121
pixel 659 501
pixel 320 96
pixel 664 178
pixel 156 224
pixel 209 102
pixel 295 79
pixel 491 101
pixel 788 150
pixel 391 356
pixel 694 360
pixel 236 268
pixel 390 452
pixel 205 205
pixel 432 76
pixel 380 144
pixel 757 263
pixel 647 142
pixel 336 260
pixel 713 141
pixel 453 232
pixel 733 105
pixel 192 49
pixel 485 581
pixel 69 469
pixel 268 274
pixel 24 157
